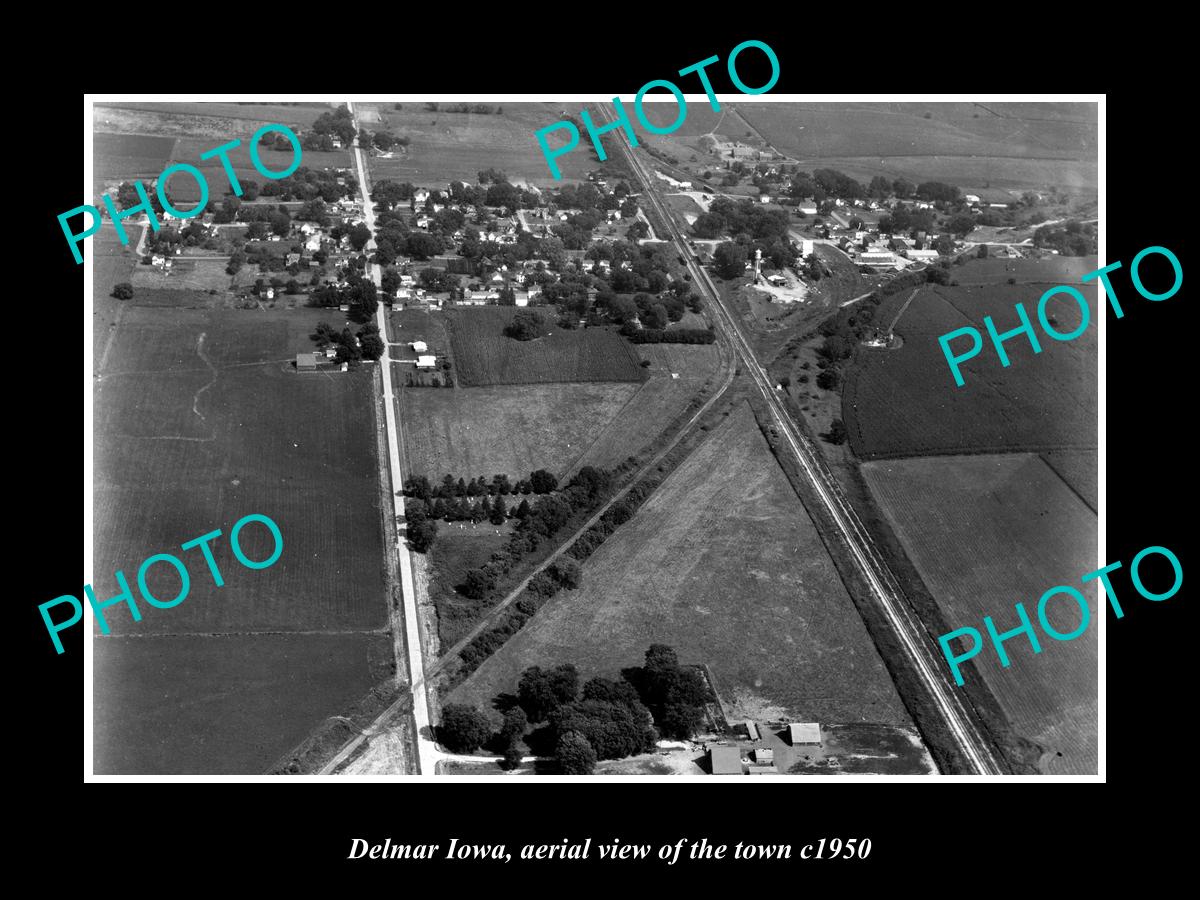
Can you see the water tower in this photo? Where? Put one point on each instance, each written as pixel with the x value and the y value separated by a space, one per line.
pixel 757 262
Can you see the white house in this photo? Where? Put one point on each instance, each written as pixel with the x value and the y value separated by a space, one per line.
pixel 764 198
pixel 419 347
pixel 420 195
pixel 426 362
pixel 313 244
pixel 970 198
pixel 809 209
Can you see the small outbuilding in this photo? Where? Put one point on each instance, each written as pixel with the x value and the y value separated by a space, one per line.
pixel 804 733
pixel 725 761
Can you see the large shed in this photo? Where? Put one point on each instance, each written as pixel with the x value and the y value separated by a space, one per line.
pixel 725 760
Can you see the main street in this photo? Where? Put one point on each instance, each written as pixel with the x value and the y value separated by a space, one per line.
pixel 918 644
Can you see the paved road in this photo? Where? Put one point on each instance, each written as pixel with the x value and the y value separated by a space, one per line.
pixel 427 750
pixel 918 643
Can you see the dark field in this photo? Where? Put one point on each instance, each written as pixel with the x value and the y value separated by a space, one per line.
pixel 722 563
pixel 904 402
pixel 985 532
pixel 129 157
pixel 222 705
pixel 199 421
pixel 484 355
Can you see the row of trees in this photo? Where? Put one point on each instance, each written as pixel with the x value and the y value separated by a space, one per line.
pixel 607 719
pixel 359 293
pixel 538 482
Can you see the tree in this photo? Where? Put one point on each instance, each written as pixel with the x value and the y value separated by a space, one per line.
pixel 422 532
pixel 359 235
pixel 123 291
pixel 828 380
pixel 542 482
pixel 730 259
pixel 836 433
pixel 540 692
pixel 567 573
pixel 499 511
pixel 463 728
pixel 525 325
pixel 574 754
pixel 476 584
pixel 236 260
pixel 982 252
pixel 373 346
pixel 522 512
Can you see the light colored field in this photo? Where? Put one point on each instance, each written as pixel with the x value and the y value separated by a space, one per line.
pixel 985 532
pixel 185 274
pixel 723 564
pixel 456 146
pixel 657 402
pixel 506 429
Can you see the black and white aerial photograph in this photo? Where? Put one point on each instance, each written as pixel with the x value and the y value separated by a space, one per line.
pixel 729 451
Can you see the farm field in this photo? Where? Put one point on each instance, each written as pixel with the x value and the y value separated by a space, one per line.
pixel 483 355
pixel 1046 270
pixel 185 274
pixel 1013 145
pixel 222 705
pixel 506 429
pixel 984 532
pixel 1080 469
pixel 904 402
pixel 200 420
pixel 657 402
pixel 449 147
pixel 111 265
pixel 723 564
pixel 127 157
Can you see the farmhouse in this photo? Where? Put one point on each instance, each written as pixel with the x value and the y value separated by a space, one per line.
pixel 804 733
pixel 419 346
pixel 725 760
pixel 426 362
pixel 808 208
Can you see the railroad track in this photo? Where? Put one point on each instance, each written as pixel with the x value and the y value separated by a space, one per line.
pixel 918 644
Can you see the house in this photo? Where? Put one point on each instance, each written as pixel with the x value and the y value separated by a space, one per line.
pixel 426 362
pixel 725 760
pixel 764 198
pixel 269 293
pixel 330 352
pixel 764 755
pixel 306 362
pixel 805 247
pixel 420 195
pixel 419 347
pixel 521 298
pixel 292 259
pixel 877 258
pixel 897 244
pixel 971 198
pixel 804 733
pixel 308 228
pixel 777 280
pixel 407 280
pixel 313 244
pixel 809 209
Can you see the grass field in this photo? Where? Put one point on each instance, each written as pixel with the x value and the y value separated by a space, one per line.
pixel 1013 145
pixel 457 551
pixel 904 402
pixel 449 147
pixel 129 157
pixel 657 402
pixel 1080 470
pixel 185 274
pixel 200 420
pixel 985 532
pixel 505 429
pixel 483 355
pixel 223 705
pixel 723 564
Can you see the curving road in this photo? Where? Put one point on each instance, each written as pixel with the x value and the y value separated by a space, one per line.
pixel 916 640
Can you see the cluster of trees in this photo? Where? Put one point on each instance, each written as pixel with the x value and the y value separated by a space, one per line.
pixel 525 325
pixel 359 293
pixel 123 291
pixel 479 109
pixel 539 483
pixel 339 123
pixel 385 140
pixel 731 217
pixel 1071 239
pixel 351 347
pixel 606 719
pixel 309 184
pixel 546 516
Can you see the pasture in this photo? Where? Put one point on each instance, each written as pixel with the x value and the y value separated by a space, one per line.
pixel 483 355
pixel 904 402
pixel 1002 145
pixel 506 429
pixel 185 275
pixel 722 563
pixel 223 705
pixel 449 147
pixel 128 157
pixel 985 532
